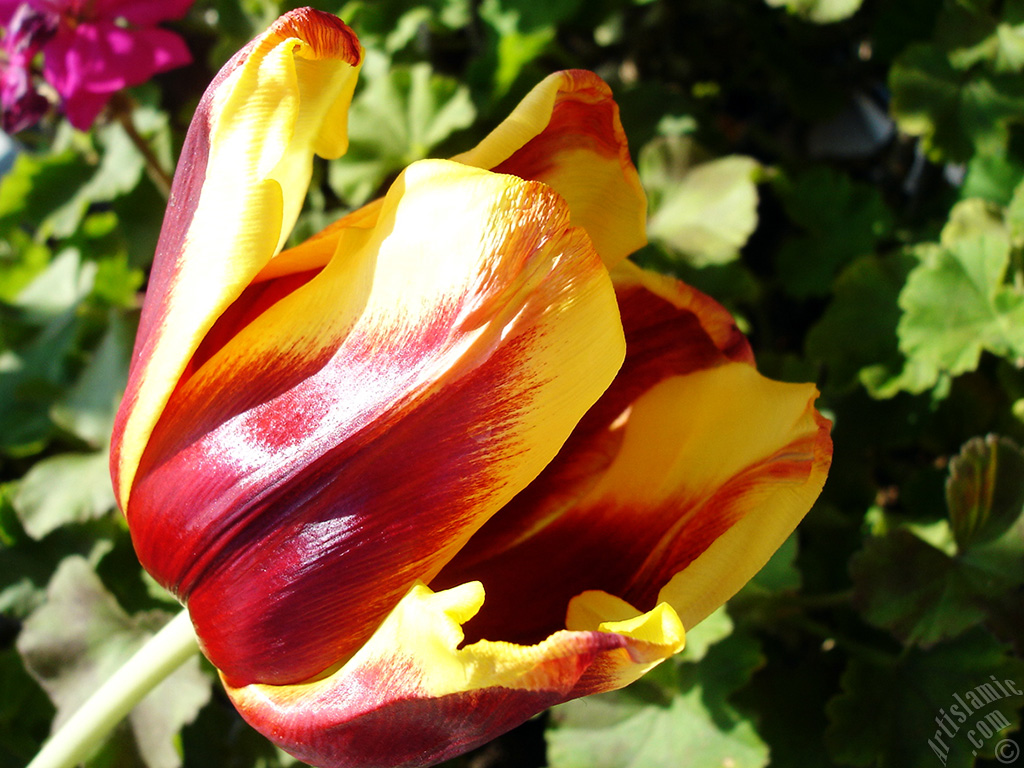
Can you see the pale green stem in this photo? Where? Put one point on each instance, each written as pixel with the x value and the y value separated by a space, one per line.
pixel 86 729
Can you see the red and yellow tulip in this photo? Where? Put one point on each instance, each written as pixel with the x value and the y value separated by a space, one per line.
pixel 454 459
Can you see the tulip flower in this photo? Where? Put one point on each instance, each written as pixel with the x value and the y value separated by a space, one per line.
pixel 454 459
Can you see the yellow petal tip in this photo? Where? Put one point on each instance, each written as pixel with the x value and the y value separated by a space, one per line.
pixel 598 611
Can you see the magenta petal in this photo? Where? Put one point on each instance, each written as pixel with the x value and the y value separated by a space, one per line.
pixel 94 61
pixel 84 107
pixel 60 64
pixel 142 13
pixel 26 32
pixel 104 58
pixel 157 49
pixel 21 106
pixel 7 9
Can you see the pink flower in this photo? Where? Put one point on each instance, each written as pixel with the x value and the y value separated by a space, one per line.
pixel 102 46
pixel 26 33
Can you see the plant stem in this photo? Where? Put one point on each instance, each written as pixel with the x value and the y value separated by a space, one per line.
pixel 121 107
pixel 86 729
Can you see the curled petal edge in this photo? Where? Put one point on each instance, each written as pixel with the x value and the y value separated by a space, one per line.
pixel 566 133
pixel 411 696
pixel 238 188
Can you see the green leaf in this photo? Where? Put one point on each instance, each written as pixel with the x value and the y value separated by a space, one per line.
pixel 32 375
pixel 704 212
pixel 52 193
pixel 117 282
pixel 985 489
pixel 140 216
pixel 956 114
pixel 64 283
pixel 678 714
pixel 21 261
pixel 841 220
pixel 856 336
pixel 37 185
pixel 976 34
pixel 26 565
pixel 1009 48
pixel 780 573
pixel 1015 216
pixel 715 628
pixel 788 694
pixel 69 488
pixel 400 116
pixel 118 172
pixel 24 712
pixel 80 637
pixel 956 303
pixel 907 701
pixel 87 409
pixel 916 591
pixel 518 32
pixel 993 177
pixel 533 15
pixel 219 738
pixel 819 11
pixel 393 24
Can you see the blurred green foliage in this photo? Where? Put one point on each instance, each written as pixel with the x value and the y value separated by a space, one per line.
pixel 848 180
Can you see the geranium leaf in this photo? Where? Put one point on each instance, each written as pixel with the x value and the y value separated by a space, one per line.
pixel 1015 216
pixel 118 172
pixel 80 636
pixel 704 212
pixel 956 303
pixel 780 573
pixel 957 114
pixel 985 489
pixel 993 176
pixel 71 487
pixel 856 336
pixel 21 261
pixel 39 334
pixel 37 185
pixel 399 117
pixel 916 591
pixel 907 700
pixel 24 711
pixel 841 221
pixel 701 638
pixel 517 32
pixel 679 714
pixel 819 11
pixel 87 409
pixel 924 595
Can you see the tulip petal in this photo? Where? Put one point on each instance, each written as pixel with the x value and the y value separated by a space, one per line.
pixel 690 445
pixel 640 291
pixel 239 186
pixel 314 253
pixel 566 132
pixel 411 696
pixel 760 508
pixel 354 435
pixel 671 329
